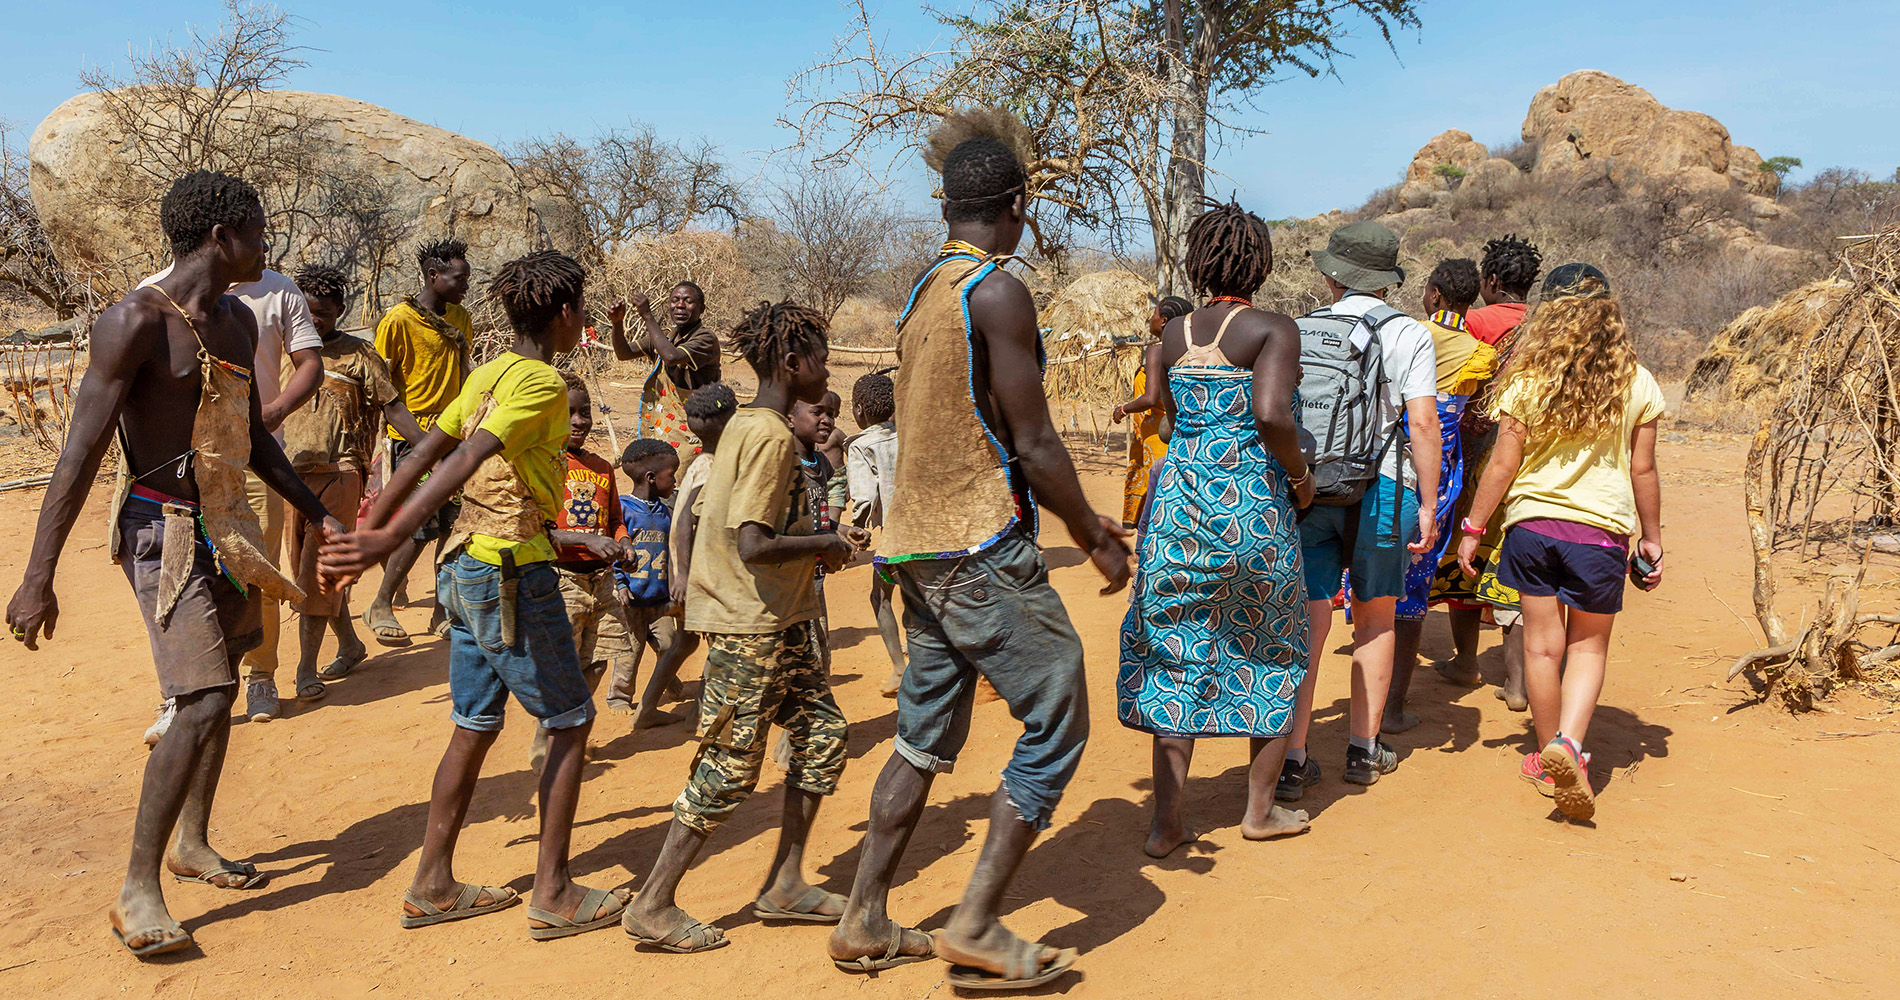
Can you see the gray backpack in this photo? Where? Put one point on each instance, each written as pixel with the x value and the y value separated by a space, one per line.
pixel 1339 402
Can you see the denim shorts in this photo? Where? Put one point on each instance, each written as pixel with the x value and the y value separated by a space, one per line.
pixel 541 669
pixel 993 614
pixel 1584 576
pixel 1379 556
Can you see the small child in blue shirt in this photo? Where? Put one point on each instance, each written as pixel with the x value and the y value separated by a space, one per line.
pixel 652 468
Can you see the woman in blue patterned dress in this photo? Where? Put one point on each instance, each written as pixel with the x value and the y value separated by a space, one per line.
pixel 1215 639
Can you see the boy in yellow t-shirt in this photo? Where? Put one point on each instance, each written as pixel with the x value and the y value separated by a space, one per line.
pixel 500 442
pixel 1575 467
pixel 425 339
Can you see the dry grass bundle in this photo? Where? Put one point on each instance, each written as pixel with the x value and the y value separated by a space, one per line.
pixel 1094 333
pixel 1751 355
pixel 1825 467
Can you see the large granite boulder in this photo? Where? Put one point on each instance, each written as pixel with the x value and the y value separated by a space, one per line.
pixel 1590 118
pixel 100 209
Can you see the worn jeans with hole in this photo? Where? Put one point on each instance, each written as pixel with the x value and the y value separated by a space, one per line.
pixel 542 668
pixel 993 614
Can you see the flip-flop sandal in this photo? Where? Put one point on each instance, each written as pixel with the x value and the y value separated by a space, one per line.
pixel 689 938
pixel 251 877
pixel 1025 972
pixel 312 691
pixel 388 632
pixel 1566 766
pixel 599 908
pixel 804 909
pixel 893 953
pixel 171 937
pixel 463 907
pixel 339 668
pixel 440 629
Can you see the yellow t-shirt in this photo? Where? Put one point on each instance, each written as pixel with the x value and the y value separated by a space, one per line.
pixel 1463 360
pixel 425 359
pixel 1578 479
pixel 530 418
pixel 754 478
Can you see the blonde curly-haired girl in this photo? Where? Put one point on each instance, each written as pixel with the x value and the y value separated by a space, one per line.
pixel 1575 468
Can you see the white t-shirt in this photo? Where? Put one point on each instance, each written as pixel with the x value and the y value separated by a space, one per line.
pixel 283 323
pixel 1411 372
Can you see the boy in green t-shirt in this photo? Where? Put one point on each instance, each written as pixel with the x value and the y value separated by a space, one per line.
pixel 751 593
pixel 500 442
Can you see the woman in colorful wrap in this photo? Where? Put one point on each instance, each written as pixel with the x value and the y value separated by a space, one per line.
pixel 684 359
pixel 1215 640
pixel 1146 445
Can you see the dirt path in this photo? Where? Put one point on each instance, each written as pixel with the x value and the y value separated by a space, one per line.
pixel 1450 878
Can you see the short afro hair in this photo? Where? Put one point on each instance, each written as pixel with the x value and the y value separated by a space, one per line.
pixel 321 281
pixel 436 254
pixel 980 153
pixel 876 395
pixel 533 289
pixel 710 401
pixel 647 454
pixel 1516 263
pixel 1229 251
pixel 772 330
pixel 698 292
pixel 1456 280
pixel 575 384
pixel 203 199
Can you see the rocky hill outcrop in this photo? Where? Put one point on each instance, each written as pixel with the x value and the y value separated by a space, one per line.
pixel 98 206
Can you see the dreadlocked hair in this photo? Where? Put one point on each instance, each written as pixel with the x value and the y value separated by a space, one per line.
pixel 1456 279
pixel 980 152
pixel 876 395
pixel 436 254
pixel 1577 360
pixel 203 199
pixel 709 401
pixel 1516 263
pixel 321 281
pixel 772 330
pixel 533 289
pixel 1229 251
pixel 646 454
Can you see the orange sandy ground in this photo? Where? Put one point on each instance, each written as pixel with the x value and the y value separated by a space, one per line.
pixel 1449 878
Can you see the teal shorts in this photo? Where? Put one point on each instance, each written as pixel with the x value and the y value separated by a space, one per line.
pixel 1379 557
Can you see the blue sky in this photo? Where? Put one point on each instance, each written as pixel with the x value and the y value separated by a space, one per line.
pixel 1816 81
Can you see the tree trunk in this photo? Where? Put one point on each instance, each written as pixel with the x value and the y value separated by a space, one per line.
pixel 1189 71
pixel 1761 536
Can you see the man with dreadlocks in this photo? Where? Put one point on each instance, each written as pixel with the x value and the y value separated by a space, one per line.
pixel 751 593
pixel 499 441
pixel 1214 643
pixel 425 339
pixel 171 370
pixel 330 443
pixel 976 454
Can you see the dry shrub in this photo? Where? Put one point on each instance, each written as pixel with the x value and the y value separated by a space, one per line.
pixel 865 322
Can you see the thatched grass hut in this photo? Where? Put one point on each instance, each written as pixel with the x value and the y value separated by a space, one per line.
pixel 1753 353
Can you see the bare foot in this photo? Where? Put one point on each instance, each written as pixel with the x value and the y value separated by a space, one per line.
pixel 657 718
pixel 889 688
pixel 346 660
pixel 1513 700
pixel 1162 843
pixel 1397 724
pixel 1458 672
pixel 1280 822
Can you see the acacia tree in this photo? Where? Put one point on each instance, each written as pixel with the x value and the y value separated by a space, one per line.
pixel 27 264
pixel 628 182
pixel 1120 99
pixel 825 240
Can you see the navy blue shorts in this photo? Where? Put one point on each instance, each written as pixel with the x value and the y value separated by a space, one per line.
pixel 1584 576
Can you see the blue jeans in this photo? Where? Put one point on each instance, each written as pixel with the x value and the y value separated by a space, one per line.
pixel 1378 558
pixel 542 668
pixel 993 614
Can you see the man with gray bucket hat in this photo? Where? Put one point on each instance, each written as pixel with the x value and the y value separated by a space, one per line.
pixel 1368 388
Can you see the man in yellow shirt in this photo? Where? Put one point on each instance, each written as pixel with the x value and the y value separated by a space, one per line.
pixel 425 339
pixel 500 442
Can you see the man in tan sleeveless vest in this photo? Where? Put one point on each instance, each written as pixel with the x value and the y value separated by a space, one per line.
pixel 976 454
pixel 185 535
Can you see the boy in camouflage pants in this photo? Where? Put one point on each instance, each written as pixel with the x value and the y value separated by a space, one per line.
pixel 750 592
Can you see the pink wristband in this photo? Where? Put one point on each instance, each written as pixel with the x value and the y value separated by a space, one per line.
pixel 1465 526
